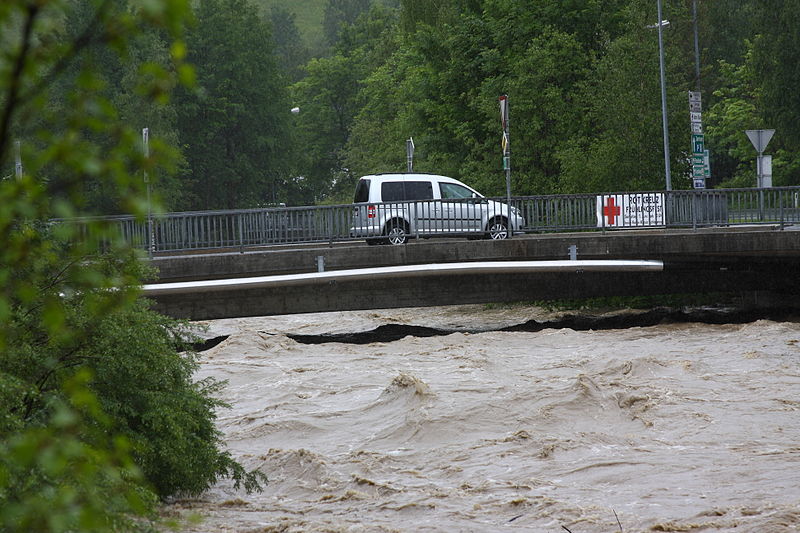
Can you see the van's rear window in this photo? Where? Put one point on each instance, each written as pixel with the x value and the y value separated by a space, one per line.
pixel 362 192
pixel 398 191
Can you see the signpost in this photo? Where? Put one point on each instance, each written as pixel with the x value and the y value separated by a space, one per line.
pixel 506 143
pixel 18 161
pixel 410 153
pixel 150 234
pixel 760 140
pixel 700 160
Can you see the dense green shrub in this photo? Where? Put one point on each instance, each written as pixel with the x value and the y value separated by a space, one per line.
pixel 99 412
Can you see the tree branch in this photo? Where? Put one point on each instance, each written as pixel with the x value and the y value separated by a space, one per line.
pixel 15 83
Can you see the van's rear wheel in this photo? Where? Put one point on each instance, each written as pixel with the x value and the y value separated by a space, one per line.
pixel 397 232
pixel 497 229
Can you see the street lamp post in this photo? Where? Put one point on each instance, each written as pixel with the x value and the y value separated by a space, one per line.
pixel 696 46
pixel 661 24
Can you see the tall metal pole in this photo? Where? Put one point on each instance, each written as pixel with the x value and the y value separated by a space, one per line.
pixel 18 160
pixel 696 47
pixel 150 235
pixel 663 98
pixel 506 114
pixel 410 154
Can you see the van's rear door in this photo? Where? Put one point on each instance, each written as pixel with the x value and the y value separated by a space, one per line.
pixel 364 219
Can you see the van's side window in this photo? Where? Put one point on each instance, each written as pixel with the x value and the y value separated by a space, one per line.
pixel 419 190
pixel 362 192
pixel 453 191
pixel 399 191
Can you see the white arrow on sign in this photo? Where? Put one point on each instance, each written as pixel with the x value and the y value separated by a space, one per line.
pixel 760 138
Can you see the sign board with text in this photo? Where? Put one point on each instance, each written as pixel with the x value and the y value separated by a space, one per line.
pixel 698 144
pixel 700 163
pixel 630 210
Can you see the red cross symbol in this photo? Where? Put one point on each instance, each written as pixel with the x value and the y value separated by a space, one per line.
pixel 611 211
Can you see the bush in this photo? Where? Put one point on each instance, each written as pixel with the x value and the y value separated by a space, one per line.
pixel 146 386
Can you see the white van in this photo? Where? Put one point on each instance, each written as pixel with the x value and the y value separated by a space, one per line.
pixel 393 207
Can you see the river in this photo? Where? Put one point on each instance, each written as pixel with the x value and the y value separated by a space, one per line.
pixel 676 426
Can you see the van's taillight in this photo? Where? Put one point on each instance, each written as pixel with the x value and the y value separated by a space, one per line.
pixel 371 211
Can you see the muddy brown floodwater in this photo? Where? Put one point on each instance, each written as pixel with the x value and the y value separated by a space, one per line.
pixel 671 427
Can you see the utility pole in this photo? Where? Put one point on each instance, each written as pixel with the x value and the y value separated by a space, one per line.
pixel 150 235
pixel 18 161
pixel 505 119
pixel 665 124
pixel 696 48
pixel 410 154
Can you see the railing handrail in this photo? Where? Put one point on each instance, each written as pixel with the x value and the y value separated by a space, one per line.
pixel 503 199
pixel 192 230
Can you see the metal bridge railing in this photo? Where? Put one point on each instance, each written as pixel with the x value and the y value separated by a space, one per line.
pixel 238 229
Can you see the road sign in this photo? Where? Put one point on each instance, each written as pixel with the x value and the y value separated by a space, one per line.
pixel 630 210
pixel 504 112
pixel 698 143
pixel 694 96
pixel 760 138
pixel 696 117
pixel 699 183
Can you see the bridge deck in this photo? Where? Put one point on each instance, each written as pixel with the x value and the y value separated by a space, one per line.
pixel 287 280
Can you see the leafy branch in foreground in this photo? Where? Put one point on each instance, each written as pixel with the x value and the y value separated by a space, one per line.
pixel 100 415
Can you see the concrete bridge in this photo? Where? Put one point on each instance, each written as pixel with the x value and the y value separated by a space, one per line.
pixel 759 261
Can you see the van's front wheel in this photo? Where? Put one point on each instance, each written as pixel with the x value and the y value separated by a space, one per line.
pixel 497 229
pixel 397 232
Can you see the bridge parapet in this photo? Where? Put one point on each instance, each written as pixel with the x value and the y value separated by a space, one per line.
pixel 719 245
pixel 251 228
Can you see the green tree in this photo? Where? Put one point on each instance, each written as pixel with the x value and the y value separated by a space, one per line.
pixel 339 13
pixel 86 442
pixel 621 144
pixel 233 125
pixel 775 55
pixel 122 82
pixel 292 53
pixel 328 98
pixel 583 81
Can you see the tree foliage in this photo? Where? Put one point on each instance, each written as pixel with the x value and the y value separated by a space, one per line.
pixel 583 81
pixel 99 413
pixel 290 50
pixel 233 124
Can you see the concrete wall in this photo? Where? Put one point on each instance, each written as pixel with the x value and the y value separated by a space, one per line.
pixel 695 262
pixel 664 245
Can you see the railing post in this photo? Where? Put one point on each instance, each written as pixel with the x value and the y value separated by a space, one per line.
pixel 241 233
pixel 602 215
pixel 330 226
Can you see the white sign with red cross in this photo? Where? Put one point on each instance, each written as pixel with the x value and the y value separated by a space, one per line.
pixel 630 210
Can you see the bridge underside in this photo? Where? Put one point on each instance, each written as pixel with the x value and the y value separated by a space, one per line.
pixel 719 260
pixel 744 275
